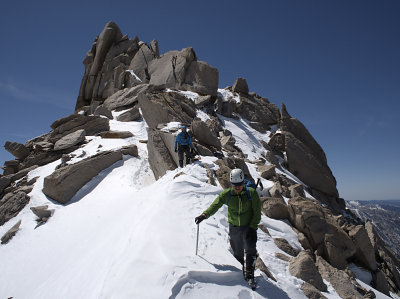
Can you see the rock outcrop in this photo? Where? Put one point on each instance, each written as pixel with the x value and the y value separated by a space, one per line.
pixel 63 183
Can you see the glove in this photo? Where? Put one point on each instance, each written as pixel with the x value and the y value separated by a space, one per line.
pixel 176 150
pixel 199 219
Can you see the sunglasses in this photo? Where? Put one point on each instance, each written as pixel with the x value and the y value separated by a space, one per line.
pixel 237 184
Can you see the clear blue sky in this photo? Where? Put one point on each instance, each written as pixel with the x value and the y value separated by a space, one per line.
pixel 335 64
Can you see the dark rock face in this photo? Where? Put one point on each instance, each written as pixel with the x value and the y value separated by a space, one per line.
pixel 116 134
pixel 11 204
pixel 365 252
pixel 63 183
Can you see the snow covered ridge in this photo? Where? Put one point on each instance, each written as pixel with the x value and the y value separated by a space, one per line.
pixel 114 215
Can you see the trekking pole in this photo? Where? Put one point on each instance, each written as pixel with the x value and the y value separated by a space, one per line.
pixel 197 239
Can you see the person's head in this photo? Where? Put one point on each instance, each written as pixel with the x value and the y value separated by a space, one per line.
pixel 183 128
pixel 237 180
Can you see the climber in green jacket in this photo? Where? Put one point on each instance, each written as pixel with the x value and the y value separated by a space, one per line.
pixel 244 215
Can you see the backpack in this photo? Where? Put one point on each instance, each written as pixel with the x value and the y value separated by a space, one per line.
pixel 247 193
pixel 250 184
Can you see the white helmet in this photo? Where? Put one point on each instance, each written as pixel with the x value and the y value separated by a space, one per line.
pixel 237 176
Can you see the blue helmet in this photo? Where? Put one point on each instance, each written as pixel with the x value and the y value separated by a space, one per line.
pixel 183 127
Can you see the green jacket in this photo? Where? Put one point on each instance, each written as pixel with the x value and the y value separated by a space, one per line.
pixel 241 210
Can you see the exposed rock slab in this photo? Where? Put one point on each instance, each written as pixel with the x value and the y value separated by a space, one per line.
pixel 63 183
pixel 284 245
pixel 116 134
pixel 203 133
pixel 130 115
pixel 125 97
pixel 70 140
pixel 103 111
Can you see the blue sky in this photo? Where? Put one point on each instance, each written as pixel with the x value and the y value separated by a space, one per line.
pixel 335 64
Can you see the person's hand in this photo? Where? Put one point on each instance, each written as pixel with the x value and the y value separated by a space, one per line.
pixel 199 219
pixel 176 150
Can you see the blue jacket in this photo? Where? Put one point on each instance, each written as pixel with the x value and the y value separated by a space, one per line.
pixel 183 138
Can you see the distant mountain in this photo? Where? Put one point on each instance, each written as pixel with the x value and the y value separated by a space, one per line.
pixel 385 215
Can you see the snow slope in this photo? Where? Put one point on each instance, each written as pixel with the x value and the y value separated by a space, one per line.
pixel 125 235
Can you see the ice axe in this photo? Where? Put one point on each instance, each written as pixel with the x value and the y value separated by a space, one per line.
pixel 259 183
pixel 197 239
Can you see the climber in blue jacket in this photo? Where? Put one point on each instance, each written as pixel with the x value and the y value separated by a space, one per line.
pixel 183 145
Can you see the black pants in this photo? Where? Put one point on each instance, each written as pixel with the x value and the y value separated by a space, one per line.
pixel 243 240
pixel 183 150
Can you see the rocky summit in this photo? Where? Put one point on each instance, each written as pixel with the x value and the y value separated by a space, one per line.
pixel 98 207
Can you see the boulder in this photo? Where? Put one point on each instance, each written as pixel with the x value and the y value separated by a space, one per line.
pixel 130 150
pixel 67 125
pixel 311 292
pixel 228 143
pixel 166 107
pixel 70 140
pixel 116 134
pixel 64 182
pixel 283 257
pixel 103 111
pixel 258 110
pixel 125 97
pixel 266 171
pixel 204 135
pixel 260 127
pixel 20 174
pixel 276 190
pixel 365 252
pixel 169 70
pixel 344 285
pixel 303 267
pixel 130 115
pixel 240 86
pixel 11 204
pixel 275 208
pixel 321 230
pixel 202 78
pixel 41 211
pixel 296 190
pixel 10 233
pixel 201 101
pixel 307 168
pixel 18 150
pixel 160 158
pixel 284 245
pixel 202 150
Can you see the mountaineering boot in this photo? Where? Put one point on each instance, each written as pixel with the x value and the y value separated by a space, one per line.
pixel 187 161
pixel 249 266
pixel 180 163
